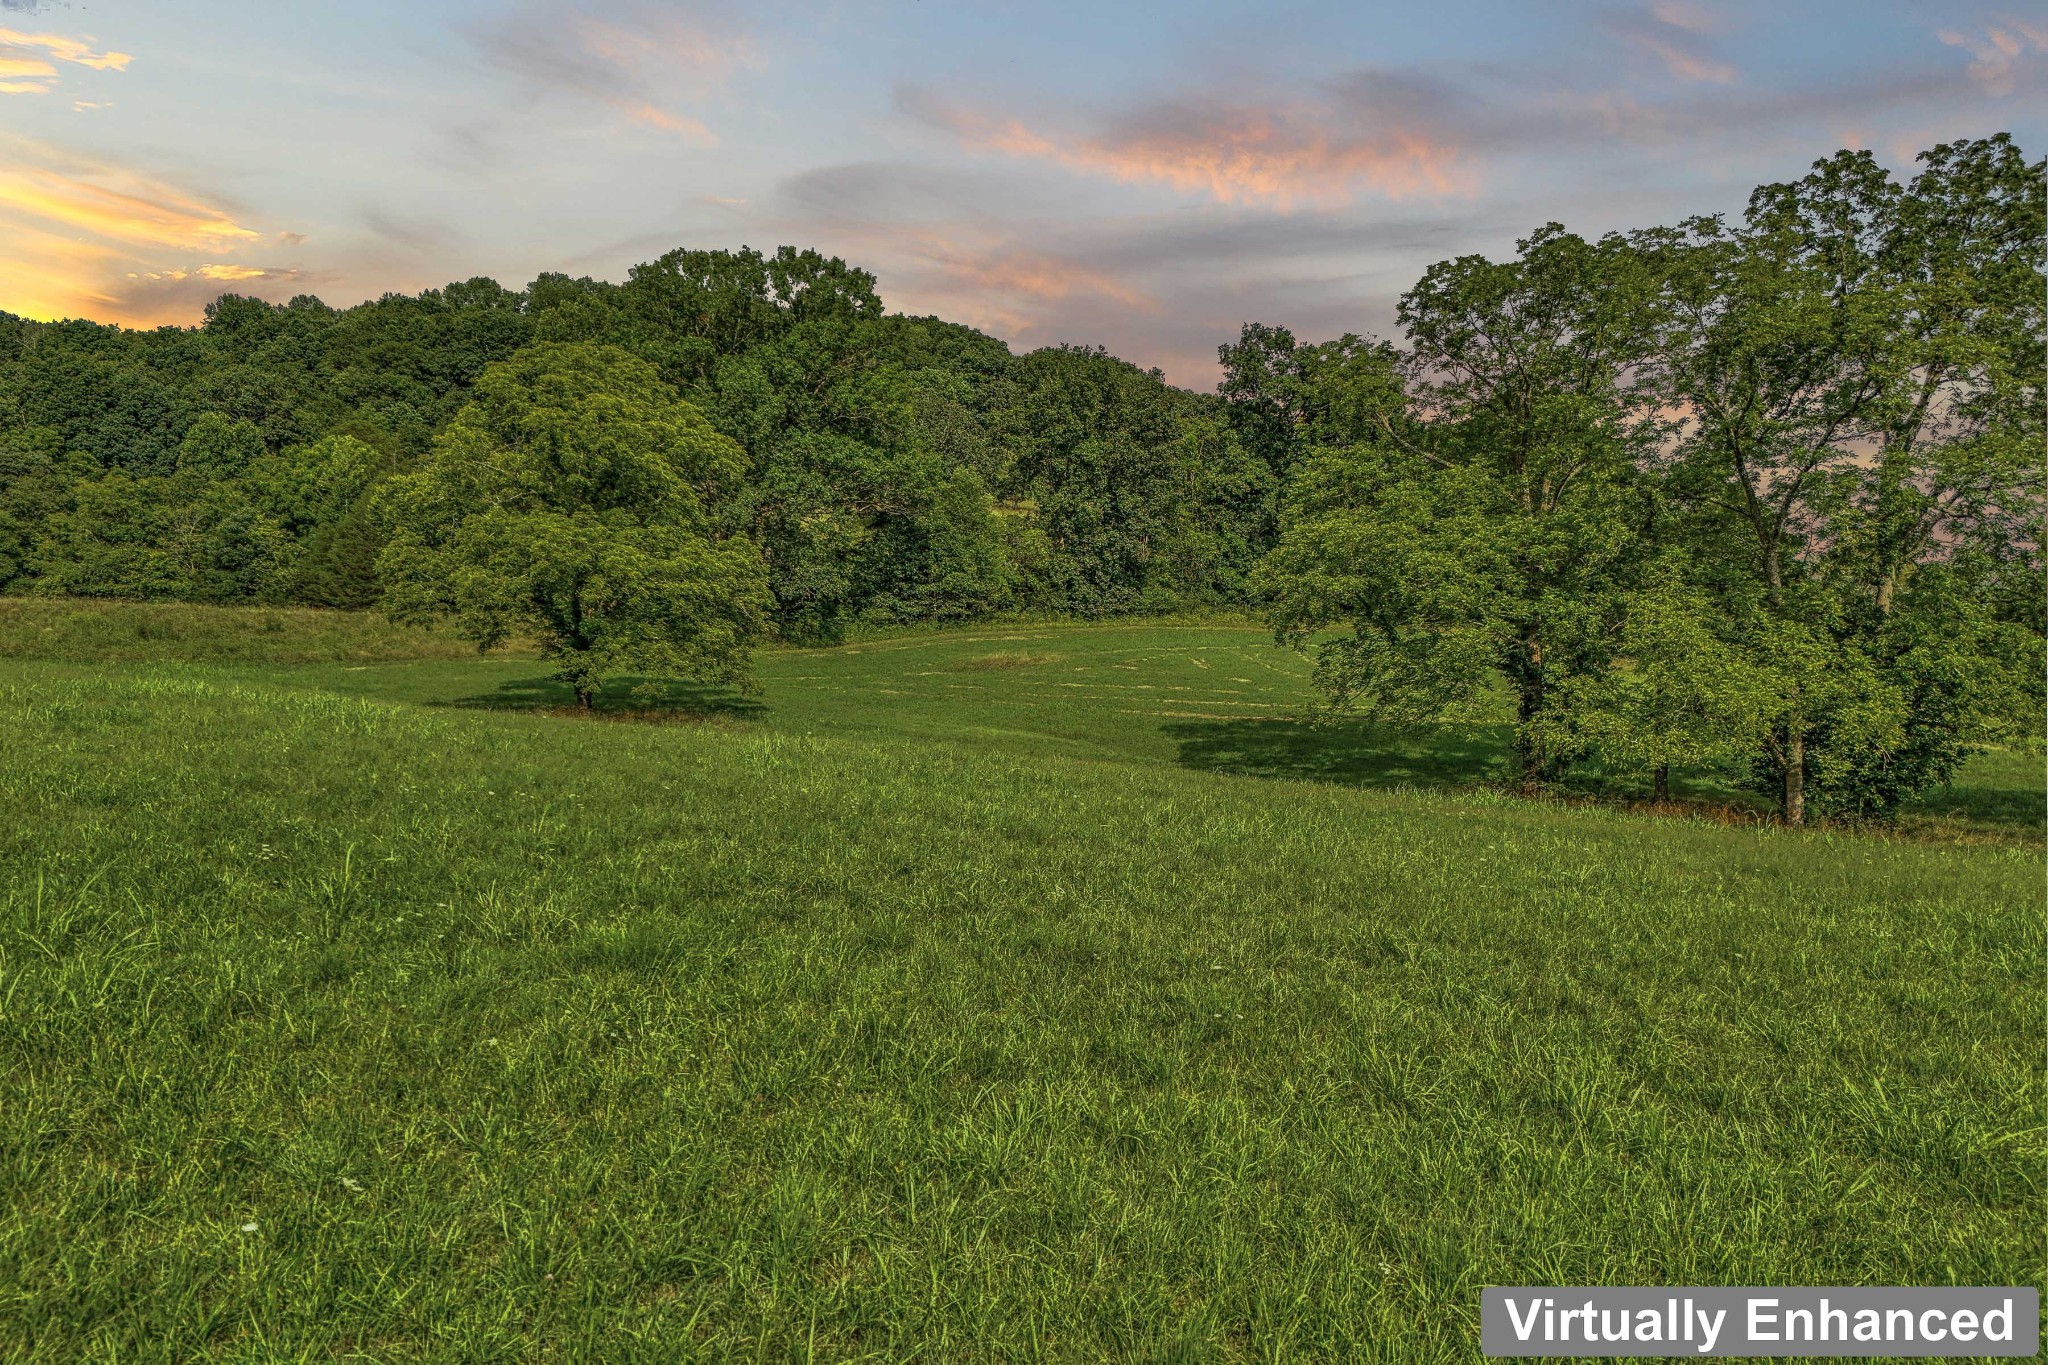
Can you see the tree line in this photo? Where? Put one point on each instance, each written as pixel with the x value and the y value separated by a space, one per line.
pixel 1762 495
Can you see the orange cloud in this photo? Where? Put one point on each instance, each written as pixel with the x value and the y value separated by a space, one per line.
pixel 65 49
pixel 235 272
pixel 688 128
pixel 80 234
pixel 1281 156
pixel 1017 271
pixel 667 44
pixel 25 60
pixel 130 209
pixel 49 275
pixel 232 274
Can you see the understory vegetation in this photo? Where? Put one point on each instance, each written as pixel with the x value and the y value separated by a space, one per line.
pixel 998 992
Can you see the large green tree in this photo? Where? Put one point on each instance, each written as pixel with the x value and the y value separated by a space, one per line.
pixel 1484 524
pixel 573 499
pixel 1858 365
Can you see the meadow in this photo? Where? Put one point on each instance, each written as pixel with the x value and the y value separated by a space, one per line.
pixel 1019 992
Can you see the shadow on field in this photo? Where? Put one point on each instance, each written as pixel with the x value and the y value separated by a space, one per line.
pixel 1356 755
pixel 652 699
pixel 2020 807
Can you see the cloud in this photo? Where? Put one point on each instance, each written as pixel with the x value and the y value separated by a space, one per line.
pixel 25 59
pixel 46 274
pixel 238 273
pixel 114 203
pixel 692 130
pixel 1013 271
pixel 2003 51
pixel 1320 149
pixel 636 58
pixel 1693 18
pixel 155 298
pixel 1685 65
pixel 416 235
pixel 1672 32
pixel 1161 287
pixel 1317 207
pixel 223 274
pixel 66 49
pixel 82 234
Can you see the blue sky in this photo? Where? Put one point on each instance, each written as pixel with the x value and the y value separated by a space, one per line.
pixel 1145 177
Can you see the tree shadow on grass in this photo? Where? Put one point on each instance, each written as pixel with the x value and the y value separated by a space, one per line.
pixel 1348 752
pixel 642 699
pixel 1971 803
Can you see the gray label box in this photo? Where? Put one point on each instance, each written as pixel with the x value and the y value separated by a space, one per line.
pixel 1708 1321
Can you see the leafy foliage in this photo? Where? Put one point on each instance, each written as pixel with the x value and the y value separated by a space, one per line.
pixel 572 499
pixel 1764 494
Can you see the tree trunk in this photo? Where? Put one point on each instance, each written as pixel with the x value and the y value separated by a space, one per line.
pixel 583 698
pixel 1660 784
pixel 1529 705
pixel 1795 777
pixel 1527 755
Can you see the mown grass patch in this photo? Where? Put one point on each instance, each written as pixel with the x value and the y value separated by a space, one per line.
pixel 1004 659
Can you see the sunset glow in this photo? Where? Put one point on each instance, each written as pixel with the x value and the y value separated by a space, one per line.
pixel 1145 179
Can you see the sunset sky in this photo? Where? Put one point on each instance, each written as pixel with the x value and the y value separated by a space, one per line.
pixel 1143 176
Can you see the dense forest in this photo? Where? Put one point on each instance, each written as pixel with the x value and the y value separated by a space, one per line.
pixel 1761 494
pixel 897 468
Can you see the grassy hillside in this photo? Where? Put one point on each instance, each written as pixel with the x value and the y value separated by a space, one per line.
pixel 139 632
pixel 944 1006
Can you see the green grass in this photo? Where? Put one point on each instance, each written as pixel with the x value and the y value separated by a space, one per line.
pixel 1214 695
pixel 139 632
pixel 929 1007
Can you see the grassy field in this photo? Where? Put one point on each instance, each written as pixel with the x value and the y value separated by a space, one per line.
pixel 957 998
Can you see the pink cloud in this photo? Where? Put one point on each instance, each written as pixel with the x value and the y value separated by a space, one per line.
pixel 1313 152
pixel 633 57
pixel 2001 51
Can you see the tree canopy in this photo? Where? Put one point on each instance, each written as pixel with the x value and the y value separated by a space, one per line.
pixel 1765 493
pixel 573 498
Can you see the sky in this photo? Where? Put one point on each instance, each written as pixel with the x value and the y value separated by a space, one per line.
pixel 1144 177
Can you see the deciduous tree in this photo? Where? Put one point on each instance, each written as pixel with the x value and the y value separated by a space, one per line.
pixel 572 500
